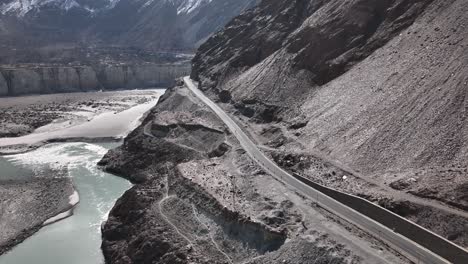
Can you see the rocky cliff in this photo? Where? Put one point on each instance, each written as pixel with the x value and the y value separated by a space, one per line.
pixel 375 88
pixel 56 79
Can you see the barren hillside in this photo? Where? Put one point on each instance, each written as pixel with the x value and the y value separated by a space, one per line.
pixel 375 88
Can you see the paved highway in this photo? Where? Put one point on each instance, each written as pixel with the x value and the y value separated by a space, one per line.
pixel 412 250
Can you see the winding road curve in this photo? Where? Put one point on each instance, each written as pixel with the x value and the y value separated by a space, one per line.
pixel 403 244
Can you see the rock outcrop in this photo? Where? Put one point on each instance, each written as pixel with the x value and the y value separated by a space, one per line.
pixel 59 79
pixel 176 131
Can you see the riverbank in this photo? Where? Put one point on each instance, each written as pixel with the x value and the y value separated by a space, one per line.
pixel 75 239
pixel 34 196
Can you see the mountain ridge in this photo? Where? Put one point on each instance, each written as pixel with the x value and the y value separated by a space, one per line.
pixel 148 24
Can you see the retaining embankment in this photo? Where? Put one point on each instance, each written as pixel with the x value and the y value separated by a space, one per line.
pixel 398 224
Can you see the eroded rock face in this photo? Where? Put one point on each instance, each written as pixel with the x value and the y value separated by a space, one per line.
pixel 114 77
pixel 88 78
pixel 59 79
pixel 3 86
pixel 140 76
pixel 23 81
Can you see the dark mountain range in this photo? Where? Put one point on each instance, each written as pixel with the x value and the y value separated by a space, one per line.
pixel 149 24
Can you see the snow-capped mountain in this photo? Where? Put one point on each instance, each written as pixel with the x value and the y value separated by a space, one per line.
pixel 23 7
pixel 149 24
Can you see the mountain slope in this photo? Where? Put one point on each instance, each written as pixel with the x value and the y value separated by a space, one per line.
pixel 169 24
pixel 321 39
pixel 375 87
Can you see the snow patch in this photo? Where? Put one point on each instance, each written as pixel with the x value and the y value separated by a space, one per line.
pixel 112 4
pixel 185 6
pixel 22 7
pixel 188 6
pixel 69 4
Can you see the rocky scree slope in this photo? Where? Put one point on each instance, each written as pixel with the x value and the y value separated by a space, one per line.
pixel 312 40
pixel 377 88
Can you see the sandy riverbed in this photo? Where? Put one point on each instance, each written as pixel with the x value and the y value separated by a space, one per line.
pixel 30 121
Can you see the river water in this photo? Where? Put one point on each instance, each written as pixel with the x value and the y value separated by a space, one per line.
pixel 77 239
